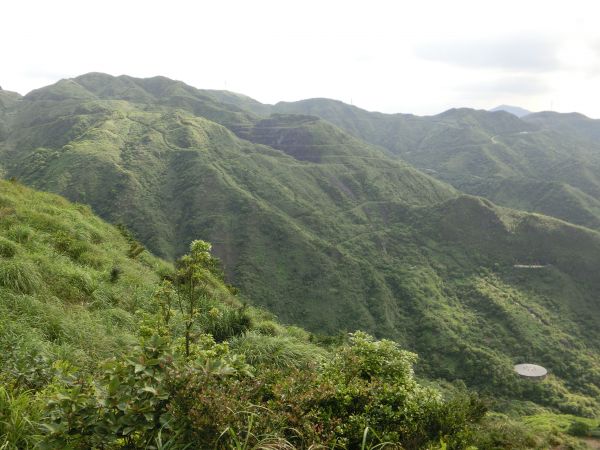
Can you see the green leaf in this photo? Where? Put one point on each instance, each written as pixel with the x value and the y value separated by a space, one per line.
pixel 127 430
pixel 148 389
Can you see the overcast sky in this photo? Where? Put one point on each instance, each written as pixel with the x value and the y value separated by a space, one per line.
pixel 390 56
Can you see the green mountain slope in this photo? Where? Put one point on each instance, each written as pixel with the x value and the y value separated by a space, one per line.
pixel 8 100
pixel 331 232
pixel 95 354
pixel 493 154
pixel 171 177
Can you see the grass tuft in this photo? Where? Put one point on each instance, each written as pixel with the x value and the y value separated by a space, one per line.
pixel 8 249
pixel 20 276
pixel 278 351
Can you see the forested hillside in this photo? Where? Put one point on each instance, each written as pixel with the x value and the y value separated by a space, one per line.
pixel 336 234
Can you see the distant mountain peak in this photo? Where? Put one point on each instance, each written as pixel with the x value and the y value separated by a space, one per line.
pixel 515 110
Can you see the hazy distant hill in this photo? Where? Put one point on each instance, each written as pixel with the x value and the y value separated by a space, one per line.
pixel 335 233
pixel 515 110
pixel 576 125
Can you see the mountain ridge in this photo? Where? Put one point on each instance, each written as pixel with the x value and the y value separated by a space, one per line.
pixel 473 149
pixel 330 231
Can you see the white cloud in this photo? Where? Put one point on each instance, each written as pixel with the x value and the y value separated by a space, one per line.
pixel 529 53
pixel 278 50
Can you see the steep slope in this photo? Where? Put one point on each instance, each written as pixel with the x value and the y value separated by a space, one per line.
pixel 8 101
pixel 330 232
pixel 172 177
pixel 68 289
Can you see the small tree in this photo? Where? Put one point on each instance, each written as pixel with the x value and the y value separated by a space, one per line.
pixel 191 282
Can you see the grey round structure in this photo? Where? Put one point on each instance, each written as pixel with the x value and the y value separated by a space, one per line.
pixel 531 371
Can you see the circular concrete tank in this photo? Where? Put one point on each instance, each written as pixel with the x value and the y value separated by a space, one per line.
pixel 531 371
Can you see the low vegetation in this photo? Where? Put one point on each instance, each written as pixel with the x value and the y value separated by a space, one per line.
pixel 165 356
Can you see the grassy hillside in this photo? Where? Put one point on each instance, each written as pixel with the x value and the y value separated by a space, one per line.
pixel 75 290
pixel 67 286
pixel 77 294
pixel 332 233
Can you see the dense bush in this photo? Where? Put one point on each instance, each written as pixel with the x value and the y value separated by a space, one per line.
pixel 579 428
pixel 127 406
pixel 364 396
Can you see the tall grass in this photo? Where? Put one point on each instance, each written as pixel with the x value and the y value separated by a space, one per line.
pixel 247 439
pixel 21 233
pixel 277 351
pixel 20 276
pixel 18 429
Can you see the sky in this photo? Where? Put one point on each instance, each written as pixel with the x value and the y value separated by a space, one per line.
pixel 421 57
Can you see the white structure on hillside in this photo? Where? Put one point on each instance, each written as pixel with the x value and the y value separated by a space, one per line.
pixel 531 371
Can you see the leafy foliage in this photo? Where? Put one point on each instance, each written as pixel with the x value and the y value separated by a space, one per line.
pixel 129 406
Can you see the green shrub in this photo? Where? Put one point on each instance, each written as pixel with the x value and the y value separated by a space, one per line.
pixel 133 403
pixel 129 406
pixel 20 276
pixel 28 371
pixel 579 428
pixel 366 396
pixel 226 323
pixel 371 383
pixel 8 249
